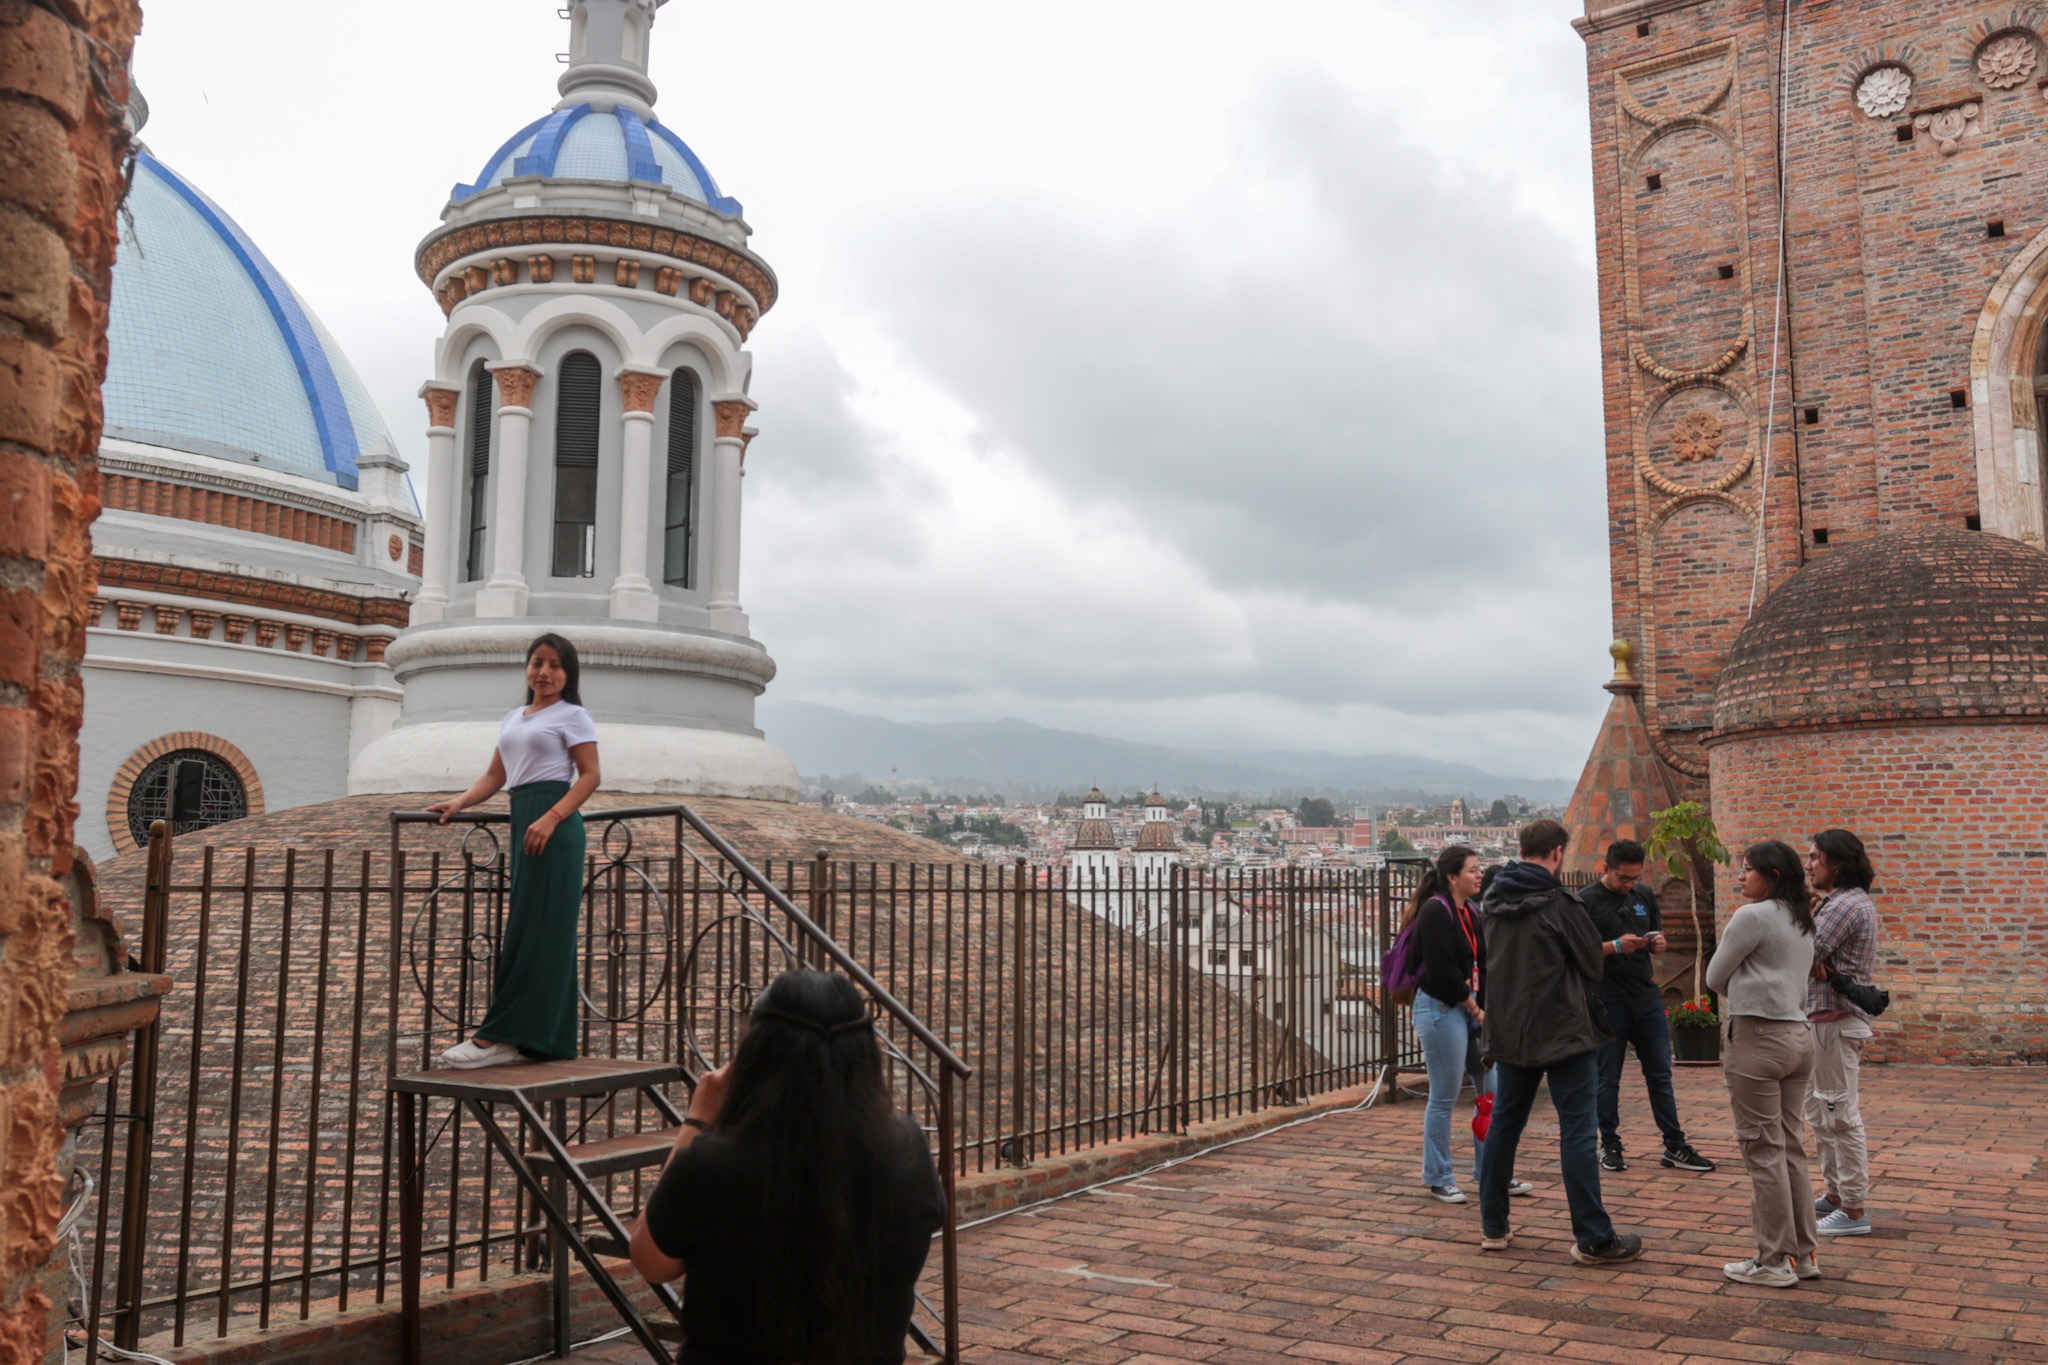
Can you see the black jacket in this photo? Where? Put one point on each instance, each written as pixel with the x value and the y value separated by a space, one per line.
pixel 1629 976
pixel 1444 954
pixel 1542 956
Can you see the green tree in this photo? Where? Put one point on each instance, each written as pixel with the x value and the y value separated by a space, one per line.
pixel 1497 814
pixel 1392 842
pixel 1315 812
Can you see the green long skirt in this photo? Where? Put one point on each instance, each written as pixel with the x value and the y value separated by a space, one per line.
pixel 533 996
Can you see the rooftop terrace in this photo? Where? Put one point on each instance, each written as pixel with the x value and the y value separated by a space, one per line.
pixel 1312 1244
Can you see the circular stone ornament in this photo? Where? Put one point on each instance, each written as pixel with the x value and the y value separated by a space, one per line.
pixel 2007 60
pixel 1884 92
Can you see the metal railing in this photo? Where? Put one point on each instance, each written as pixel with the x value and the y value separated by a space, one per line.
pixel 1025 1014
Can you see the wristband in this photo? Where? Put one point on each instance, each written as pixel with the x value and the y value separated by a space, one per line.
pixel 1617 947
pixel 692 1121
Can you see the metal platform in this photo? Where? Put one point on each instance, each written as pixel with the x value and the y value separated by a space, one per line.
pixel 538 1093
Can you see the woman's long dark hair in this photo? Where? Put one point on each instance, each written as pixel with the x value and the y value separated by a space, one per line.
pixel 572 671
pixel 1844 852
pixel 1787 875
pixel 1436 879
pixel 807 1094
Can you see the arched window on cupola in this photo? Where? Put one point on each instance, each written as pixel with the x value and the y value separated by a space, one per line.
pixel 576 416
pixel 482 390
pixel 682 480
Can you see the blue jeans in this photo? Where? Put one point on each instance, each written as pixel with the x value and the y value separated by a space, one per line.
pixel 1642 1023
pixel 1450 1049
pixel 1574 1087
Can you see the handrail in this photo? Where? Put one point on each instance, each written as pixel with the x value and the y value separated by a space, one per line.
pixel 840 957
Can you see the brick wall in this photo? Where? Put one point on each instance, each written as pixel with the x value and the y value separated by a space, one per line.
pixel 62 80
pixel 1891 263
pixel 1952 816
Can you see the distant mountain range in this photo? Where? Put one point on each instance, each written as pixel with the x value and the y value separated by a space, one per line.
pixel 1027 761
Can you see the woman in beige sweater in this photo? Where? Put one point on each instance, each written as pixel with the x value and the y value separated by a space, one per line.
pixel 1760 971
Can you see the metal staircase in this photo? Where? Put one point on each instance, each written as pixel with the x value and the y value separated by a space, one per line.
pixel 526 1111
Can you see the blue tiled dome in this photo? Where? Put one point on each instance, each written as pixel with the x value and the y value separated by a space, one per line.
pixel 210 351
pixel 577 143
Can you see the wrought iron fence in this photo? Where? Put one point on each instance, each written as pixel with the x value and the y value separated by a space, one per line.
pixel 1088 1012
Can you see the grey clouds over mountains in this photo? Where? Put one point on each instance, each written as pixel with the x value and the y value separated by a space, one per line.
pixel 1016 759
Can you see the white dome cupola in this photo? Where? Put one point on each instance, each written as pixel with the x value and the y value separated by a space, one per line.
pixel 588 421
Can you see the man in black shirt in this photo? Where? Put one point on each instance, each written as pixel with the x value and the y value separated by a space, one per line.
pixel 1625 913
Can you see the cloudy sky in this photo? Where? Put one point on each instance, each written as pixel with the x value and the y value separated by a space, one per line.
pixel 1139 368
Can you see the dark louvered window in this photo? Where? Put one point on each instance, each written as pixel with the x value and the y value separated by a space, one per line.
pixel 481 392
pixel 576 412
pixel 682 479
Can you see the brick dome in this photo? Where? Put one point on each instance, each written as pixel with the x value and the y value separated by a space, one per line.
pixel 1933 625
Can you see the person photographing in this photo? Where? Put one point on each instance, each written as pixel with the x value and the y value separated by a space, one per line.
pixel 798 1204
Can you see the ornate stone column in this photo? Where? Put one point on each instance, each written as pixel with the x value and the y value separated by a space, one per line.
pixel 444 497
pixel 633 596
pixel 504 593
pixel 728 455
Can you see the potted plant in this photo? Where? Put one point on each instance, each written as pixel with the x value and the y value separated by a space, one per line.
pixel 1685 841
pixel 1695 1030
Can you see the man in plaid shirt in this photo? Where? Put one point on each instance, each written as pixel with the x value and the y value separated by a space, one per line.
pixel 1844 940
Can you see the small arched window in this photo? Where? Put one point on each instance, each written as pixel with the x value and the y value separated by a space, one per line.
pixel 191 787
pixel 678 517
pixel 481 392
pixel 576 417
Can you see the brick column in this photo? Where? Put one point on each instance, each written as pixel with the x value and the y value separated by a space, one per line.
pixel 633 596
pixel 60 184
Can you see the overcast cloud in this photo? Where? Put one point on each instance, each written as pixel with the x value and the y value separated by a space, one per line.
pixel 1135 372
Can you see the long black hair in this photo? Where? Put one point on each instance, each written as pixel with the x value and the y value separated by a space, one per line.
pixel 1436 879
pixel 1787 876
pixel 807 1093
pixel 572 671
pixel 1845 855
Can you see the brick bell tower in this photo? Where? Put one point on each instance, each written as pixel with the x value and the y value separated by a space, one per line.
pixel 1822 229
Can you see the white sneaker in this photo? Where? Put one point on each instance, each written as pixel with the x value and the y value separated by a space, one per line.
pixel 467 1056
pixel 1449 1194
pixel 1840 1224
pixel 1753 1271
pixel 1806 1267
pixel 1520 1187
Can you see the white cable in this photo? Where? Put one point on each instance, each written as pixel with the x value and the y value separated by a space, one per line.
pixel 1763 503
pixel 67 1231
pixel 612 1335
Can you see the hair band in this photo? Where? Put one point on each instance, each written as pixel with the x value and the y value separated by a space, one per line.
pixel 858 1021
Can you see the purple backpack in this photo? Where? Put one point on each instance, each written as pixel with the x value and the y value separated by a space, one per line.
pixel 1398 973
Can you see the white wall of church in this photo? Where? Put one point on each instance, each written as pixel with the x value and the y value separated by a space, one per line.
pixel 297 741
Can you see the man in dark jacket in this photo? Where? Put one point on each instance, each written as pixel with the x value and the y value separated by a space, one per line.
pixel 1625 913
pixel 1542 956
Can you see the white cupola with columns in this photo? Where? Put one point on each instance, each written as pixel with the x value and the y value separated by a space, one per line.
pixel 1158 848
pixel 588 422
pixel 1092 854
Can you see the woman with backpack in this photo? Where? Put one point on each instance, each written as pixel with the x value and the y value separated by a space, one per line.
pixel 1444 955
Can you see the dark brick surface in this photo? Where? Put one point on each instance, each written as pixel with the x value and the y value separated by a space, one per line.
pixel 1313 1244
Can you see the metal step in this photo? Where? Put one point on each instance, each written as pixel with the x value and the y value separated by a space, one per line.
pixel 612 1155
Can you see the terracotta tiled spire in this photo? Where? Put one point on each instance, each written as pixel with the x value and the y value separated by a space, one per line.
pixel 1623 782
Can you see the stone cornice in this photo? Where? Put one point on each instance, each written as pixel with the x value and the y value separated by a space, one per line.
pixel 1602 15
pixel 476 644
pixel 239 590
pixel 520 233
pixel 164 465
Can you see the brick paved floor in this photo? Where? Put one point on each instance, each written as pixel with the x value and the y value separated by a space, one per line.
pixel 1312 1244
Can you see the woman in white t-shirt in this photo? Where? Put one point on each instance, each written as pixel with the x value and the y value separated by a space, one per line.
pixel 547 758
